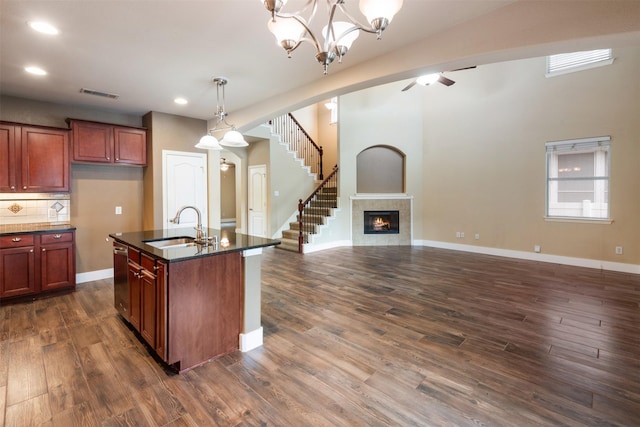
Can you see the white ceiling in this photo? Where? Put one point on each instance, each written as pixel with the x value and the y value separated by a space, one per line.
pixel 152 51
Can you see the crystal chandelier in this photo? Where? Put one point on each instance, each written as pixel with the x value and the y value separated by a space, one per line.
pixel 291 29
pixel 232 138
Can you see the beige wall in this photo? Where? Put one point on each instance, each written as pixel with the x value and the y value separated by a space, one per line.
pixel 228 193
pixel 484 157
pixel 171 132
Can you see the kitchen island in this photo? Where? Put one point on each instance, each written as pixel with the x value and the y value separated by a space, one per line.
pixel 190 302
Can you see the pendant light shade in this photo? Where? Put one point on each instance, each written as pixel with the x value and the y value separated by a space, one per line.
pixel 233 138
pixel 209 142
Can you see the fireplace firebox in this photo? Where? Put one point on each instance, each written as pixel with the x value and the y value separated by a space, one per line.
pixel 381 222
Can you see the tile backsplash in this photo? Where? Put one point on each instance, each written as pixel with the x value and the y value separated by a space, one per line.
pixel 34 208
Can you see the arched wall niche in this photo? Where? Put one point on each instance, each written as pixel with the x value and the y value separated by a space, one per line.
pixel 380 169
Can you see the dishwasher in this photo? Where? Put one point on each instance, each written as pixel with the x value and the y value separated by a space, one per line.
pixel 120 279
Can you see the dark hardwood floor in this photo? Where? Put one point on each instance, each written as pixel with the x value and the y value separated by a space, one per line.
pixel 371 336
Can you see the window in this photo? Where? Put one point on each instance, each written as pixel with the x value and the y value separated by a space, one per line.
pixel 578 178
pixel 577 61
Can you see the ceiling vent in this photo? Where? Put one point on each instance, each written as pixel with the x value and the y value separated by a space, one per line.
pixel 98 93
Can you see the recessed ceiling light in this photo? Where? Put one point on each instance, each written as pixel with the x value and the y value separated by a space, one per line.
pixel 43 27
pixel 180 101
pixel 35 70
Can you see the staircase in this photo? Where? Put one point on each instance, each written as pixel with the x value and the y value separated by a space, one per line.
pixel 313 213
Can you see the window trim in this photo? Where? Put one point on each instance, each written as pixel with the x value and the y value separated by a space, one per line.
pixel 569 145
pixel 578 61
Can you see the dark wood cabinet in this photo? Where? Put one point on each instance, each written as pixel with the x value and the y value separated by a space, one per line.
pixel 57 261
pixel 17 266
pixel 143 296
pixel 8 159
pixel 95 142
pixel 34 159
pixel 35 264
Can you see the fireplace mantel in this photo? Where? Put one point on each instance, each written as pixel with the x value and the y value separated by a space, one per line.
pixel 401 202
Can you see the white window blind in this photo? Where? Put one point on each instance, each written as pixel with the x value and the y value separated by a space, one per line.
pixel 575 61
pixel 578 178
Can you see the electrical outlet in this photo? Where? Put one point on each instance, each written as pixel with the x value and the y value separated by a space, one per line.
pixel 477 236
pixel 457 234
pixel 536 248
pixel 118 210
pixel 618 250
pixel 462 234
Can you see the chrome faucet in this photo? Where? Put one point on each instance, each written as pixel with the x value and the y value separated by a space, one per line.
pixel 200 235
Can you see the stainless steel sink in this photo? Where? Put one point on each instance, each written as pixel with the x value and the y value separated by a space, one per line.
pixel 171 243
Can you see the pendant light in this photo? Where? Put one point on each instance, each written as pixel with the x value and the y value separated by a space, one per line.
pixel 232 138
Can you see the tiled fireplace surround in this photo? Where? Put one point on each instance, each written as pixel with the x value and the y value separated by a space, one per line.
pixel 381 202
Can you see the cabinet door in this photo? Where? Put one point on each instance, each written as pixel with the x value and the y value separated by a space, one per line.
pixel 134 295
pixel 92 142
pixel 57 266
pixel 130 146
pixel 45 160
pixel 17 271
pixel 148 304
pixel 8 158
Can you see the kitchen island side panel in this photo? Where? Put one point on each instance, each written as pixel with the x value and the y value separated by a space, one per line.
pixel 204 315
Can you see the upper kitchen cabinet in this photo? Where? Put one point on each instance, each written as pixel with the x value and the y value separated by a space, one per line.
pixel 95 142
pixel 33 159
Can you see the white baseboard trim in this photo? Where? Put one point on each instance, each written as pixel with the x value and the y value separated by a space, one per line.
pixel 89 276
pixel 532 256
pixel 315 247
pixel 251 340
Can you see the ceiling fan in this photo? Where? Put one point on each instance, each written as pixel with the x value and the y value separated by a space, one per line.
pixel 428 79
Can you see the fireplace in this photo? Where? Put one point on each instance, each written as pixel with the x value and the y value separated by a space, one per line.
pixel 381 222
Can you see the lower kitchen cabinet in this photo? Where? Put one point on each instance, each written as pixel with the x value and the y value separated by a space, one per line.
pixel 17 266
pixel 57 261
pixel 147 281
pixel 32 265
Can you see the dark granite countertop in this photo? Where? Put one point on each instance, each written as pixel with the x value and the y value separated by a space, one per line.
pixel 236 242
pixel 40 227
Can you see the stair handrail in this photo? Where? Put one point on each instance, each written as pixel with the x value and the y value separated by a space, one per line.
pixel 331 179
pixel 301 142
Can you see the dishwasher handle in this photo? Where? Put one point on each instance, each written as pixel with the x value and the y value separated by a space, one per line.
pixel 119 251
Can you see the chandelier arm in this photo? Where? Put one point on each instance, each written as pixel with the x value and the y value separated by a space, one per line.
pixel 359 25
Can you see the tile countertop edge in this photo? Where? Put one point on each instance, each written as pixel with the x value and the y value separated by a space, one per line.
pixel 237 242
pixel 11 229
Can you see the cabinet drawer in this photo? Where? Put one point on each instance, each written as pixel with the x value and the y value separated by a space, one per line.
pixel 16 241
pixel 46 239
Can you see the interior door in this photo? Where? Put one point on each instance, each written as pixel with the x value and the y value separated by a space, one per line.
pixel 184 184
pixel 258 200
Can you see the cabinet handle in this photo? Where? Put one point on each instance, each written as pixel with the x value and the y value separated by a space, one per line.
pixel 108 158
pixel 117 159
pixel 31 251
pixel 16 239
pixel 57 236
pixel 13 187
pixel 24 188
pixel 44 250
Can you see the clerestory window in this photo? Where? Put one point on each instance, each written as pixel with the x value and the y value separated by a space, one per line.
pixel 576 61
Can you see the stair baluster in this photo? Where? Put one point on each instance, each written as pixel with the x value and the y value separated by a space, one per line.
pixel 298 140
pixel 317 207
